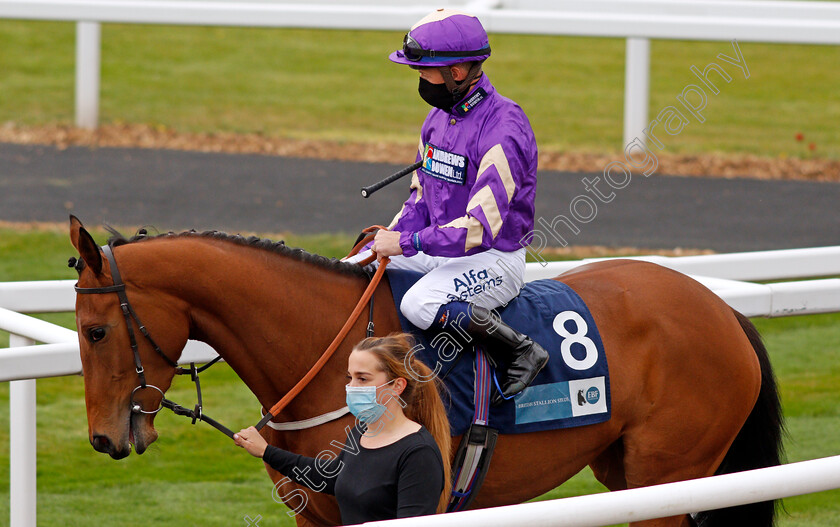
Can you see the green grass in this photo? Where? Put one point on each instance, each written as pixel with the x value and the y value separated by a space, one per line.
pixel 339 85
pixel 193 476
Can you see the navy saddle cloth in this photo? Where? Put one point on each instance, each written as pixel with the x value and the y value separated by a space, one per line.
pixel 572 390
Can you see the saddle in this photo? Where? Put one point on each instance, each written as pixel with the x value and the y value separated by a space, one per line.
pixel 572 390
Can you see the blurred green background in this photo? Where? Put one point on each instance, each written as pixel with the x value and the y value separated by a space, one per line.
pixel 339 85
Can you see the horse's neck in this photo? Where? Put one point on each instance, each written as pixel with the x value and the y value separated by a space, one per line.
pixel 270 316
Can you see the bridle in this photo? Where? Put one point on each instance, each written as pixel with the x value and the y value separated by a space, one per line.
pixel 197 414
pixel 130 314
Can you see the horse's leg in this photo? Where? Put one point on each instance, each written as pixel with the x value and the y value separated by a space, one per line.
pixel 664 450
pixel 609 470
pixel 609 467
pixel 683 374
pixel 528 465
pixel 673 521
pixel 700 407
pixel 308 507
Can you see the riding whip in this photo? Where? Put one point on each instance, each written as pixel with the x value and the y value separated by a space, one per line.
pixel 367 191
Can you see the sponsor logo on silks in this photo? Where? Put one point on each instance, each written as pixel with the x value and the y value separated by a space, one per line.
pixel 448 166
pixel 472 283
pixel 443 318
pixel 473 101
pixel 560 400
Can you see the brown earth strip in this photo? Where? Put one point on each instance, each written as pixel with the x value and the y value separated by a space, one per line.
pixel 569 253
pixel 145 136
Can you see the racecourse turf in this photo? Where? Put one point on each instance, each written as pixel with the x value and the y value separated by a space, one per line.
pixel 194 476
pixel 338 85
pixel 317 84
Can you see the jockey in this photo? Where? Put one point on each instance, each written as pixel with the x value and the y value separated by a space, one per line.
pixel 471 209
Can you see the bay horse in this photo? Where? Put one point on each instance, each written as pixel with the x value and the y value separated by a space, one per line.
pixel 693 392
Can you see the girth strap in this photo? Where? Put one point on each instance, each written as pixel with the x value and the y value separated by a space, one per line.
pixel 472 460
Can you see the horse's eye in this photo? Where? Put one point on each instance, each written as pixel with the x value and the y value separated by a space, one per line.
pixel 96 334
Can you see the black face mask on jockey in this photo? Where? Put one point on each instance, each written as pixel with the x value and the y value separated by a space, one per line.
pixel 445 95
pixel 436 95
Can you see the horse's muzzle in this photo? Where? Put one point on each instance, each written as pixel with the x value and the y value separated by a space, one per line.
pixel 102 444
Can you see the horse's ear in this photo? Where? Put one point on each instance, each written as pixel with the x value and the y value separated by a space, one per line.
pixel 83 242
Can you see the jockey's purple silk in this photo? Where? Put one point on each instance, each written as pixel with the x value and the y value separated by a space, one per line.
pixel 475 190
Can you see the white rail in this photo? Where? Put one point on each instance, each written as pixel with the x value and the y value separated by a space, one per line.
pixel 34 328
pixel 56 360
pixel 636 20
pixel 730 276
pixel 724 274
pixel 659 501
pixel 753 300
pixel 23 460
pixel 754 265
pixel 757 21
pixel 44 296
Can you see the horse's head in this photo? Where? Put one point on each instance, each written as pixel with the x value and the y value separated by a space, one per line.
pixel 125 375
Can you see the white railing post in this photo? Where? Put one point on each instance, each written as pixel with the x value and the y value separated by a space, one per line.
pixel 22 447
pixel 636 89
pixel 88 58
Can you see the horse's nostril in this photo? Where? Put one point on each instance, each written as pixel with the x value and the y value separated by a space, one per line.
pixel 101 443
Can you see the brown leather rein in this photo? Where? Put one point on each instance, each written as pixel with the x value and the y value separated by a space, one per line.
pixel 328 353
pixel 342 334
pixel 197 414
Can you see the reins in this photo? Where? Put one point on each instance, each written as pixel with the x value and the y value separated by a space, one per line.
pixel 197 414
pixel 354 316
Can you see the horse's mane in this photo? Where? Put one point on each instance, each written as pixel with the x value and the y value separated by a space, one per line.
pixel 329 264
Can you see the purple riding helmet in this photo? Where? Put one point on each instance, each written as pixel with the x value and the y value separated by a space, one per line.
pixel 442 38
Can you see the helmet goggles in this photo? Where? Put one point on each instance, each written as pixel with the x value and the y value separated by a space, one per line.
pixel 414 52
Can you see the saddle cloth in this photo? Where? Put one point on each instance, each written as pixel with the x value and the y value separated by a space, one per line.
pixel 572 390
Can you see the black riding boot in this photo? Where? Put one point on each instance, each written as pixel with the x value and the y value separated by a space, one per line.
pixel 526 358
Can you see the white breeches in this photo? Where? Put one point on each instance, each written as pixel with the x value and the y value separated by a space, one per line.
pixel 489 279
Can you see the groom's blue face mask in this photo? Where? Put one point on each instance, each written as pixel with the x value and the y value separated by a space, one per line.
pixel 361 400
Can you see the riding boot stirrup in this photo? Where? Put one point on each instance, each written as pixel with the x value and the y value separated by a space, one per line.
pixel 526 357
